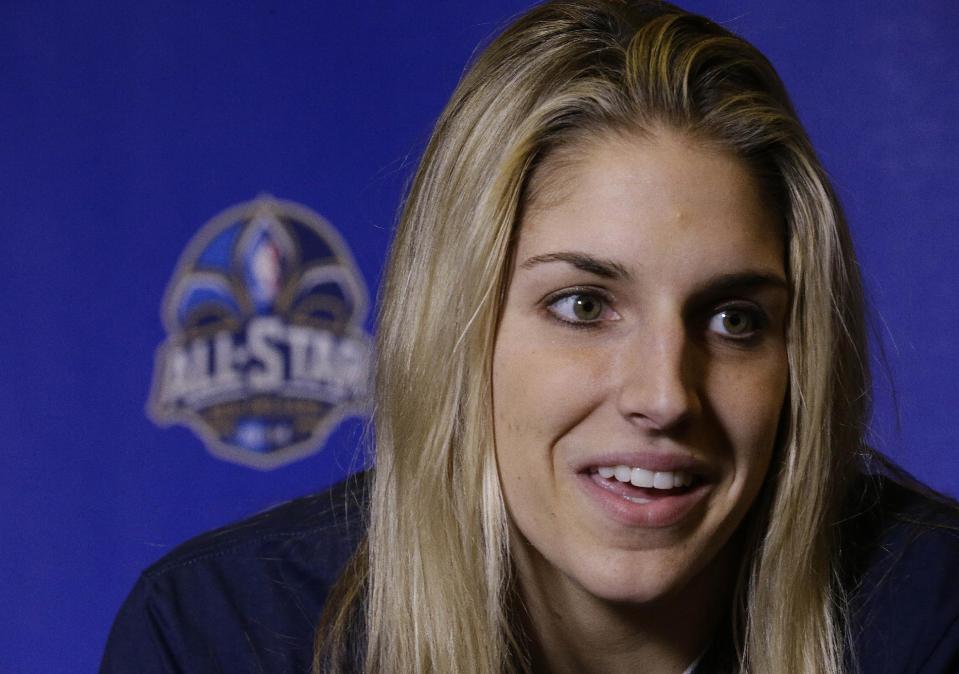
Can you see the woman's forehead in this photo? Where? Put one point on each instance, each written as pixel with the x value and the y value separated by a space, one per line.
pixel 565 164
pixel 656 192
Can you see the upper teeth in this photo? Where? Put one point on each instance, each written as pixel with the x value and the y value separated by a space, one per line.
pixel 640 477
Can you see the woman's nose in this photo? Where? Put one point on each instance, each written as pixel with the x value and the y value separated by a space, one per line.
pixel 659 378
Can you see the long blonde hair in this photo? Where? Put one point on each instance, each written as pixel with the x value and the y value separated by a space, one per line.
pixel 430 590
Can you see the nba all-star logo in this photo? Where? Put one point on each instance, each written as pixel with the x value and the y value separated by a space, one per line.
pixel 265 350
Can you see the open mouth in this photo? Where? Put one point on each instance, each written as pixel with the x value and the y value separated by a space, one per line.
pixel 640 485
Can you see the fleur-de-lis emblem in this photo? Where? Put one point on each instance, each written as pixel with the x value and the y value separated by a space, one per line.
pixel 266 349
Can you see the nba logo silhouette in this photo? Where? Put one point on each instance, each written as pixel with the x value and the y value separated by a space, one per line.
pixel 265 350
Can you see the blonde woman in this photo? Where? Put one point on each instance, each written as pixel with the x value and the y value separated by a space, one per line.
pixel 620 403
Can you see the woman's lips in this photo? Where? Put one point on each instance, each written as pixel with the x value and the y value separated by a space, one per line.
pixel 671 461
pixel 649 507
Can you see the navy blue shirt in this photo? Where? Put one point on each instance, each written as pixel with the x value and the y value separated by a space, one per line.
pixel 247 598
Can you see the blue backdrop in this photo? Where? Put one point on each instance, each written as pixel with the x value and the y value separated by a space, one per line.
pixel 126 126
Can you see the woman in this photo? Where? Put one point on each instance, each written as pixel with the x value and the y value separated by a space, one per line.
pixel 620 400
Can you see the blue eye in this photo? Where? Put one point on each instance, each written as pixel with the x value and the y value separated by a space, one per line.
pixel 735 322
pixel 580 308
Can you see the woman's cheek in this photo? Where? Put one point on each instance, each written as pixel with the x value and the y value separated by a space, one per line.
pixel 748 402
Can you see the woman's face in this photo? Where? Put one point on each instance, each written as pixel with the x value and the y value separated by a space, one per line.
pixel 640 365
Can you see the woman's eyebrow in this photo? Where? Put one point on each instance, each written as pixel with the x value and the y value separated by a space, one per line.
pixel 746 280
pixel 588 263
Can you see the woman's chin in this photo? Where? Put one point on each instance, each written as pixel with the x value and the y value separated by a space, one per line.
pixel 647 589
pixel 654 578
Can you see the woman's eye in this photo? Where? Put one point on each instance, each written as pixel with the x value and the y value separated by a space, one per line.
pixel 581 308
pixel 734 323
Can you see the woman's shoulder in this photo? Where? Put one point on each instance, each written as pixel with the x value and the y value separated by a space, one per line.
pixel 900 549
pixel 319 528
pixel 245 597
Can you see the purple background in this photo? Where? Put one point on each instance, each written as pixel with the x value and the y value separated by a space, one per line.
pixel 126 126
